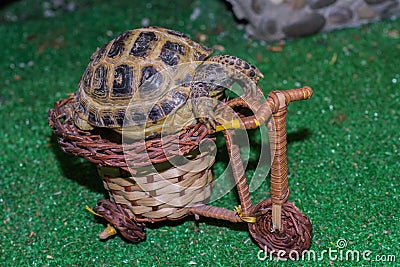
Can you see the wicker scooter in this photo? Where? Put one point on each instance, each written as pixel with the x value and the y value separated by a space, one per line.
pixel 145 187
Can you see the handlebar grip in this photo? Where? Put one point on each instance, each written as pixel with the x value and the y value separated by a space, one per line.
pixel 299 93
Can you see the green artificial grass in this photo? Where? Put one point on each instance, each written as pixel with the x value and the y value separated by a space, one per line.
pixel 343 146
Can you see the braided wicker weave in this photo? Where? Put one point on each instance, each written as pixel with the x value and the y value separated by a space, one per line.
pixel 152 181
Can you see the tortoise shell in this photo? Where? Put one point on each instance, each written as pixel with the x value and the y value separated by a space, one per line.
pixel 127 81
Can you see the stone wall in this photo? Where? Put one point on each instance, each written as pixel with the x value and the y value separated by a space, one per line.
pixel 273 20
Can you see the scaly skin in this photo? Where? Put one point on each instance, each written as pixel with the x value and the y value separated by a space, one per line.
pixel 213 77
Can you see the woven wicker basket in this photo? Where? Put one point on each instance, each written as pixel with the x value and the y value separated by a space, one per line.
pixel 163 190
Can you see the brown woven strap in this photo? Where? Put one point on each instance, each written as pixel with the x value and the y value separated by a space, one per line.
pixel 216 213
pixel 99 150
pixel 127 225
pixel 238 172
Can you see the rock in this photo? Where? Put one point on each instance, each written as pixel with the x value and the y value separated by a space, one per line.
pixel 340 15
pixel 365 12
pixel 308 25
pixel 273 20
pixel 297 4
pixel 391 10
pixel 241 11
pixel 269 26
pixel 258 6
pixel 374 2
pixel 317 4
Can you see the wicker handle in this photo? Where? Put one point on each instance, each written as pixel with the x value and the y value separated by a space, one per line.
pixel 297 94
pixel 263 111
pixel 279 99
pixel 276 107
pixel 277 135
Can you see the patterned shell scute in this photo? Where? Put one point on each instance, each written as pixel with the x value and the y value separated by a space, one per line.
pixel 128 80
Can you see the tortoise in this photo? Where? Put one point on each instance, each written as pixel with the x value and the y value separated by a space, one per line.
pixel 141 82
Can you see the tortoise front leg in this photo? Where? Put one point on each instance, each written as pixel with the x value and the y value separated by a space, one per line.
pixel 203 104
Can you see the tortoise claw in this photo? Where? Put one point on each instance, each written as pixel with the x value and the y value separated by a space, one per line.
pixel 211 124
